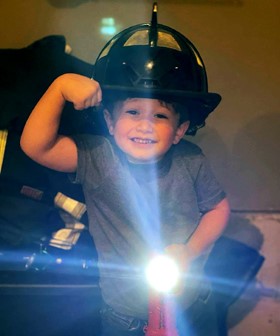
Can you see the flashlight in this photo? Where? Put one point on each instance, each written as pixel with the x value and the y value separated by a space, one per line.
pixel 162 275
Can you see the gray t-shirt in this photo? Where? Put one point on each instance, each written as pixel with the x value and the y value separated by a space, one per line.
pixel 135 210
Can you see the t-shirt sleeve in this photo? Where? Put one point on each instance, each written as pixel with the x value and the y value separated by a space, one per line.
pixel 94 153
pixel 77 177
pixel 208 189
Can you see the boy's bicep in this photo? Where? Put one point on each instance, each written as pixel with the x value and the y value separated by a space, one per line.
pixel 62 156
pixel 209 191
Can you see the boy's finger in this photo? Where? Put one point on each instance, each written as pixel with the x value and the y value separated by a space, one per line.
pixel 79 107
pixel 95 101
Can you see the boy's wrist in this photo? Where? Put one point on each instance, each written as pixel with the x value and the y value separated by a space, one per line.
pixel 189 252
pixel 57 89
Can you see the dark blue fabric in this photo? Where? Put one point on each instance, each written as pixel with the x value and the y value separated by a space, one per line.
pixel 199 320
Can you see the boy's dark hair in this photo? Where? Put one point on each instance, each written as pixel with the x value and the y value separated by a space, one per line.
pixel 179 108
pixel 182 110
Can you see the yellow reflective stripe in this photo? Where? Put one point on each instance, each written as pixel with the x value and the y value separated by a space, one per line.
pixel 3 141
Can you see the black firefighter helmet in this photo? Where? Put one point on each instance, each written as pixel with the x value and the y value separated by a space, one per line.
pixel 152 60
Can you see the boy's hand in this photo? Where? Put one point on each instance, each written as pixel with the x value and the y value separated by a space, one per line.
pixel 82 91
pixel 179 253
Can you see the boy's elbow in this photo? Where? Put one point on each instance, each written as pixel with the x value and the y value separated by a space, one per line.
pixel 226 206
pixel 224 209
pixel 23 144
pixel 27 147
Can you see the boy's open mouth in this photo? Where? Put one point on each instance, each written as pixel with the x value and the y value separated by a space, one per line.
pixel 143 141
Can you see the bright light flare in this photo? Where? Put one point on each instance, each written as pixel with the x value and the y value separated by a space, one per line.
pixel 108 26
pixel 162 273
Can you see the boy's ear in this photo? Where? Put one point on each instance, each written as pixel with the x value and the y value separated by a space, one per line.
pixel 109 121
pixel 180 132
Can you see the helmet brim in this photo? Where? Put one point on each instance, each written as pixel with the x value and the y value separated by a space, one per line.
pixel 205 102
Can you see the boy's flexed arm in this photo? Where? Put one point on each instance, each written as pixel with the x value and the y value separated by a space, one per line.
pixel 210 228
pixel 40 139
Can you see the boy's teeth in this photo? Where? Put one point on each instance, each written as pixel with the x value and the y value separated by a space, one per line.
pixel 143 141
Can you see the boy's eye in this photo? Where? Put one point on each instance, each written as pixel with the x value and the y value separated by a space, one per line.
pixel 161 116
pixel 132 112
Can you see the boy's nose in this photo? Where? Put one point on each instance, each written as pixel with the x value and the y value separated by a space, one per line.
pixel 145 125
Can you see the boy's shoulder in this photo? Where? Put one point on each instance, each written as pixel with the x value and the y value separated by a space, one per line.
pixel 187 148
pixel 92 140
pixel 187 156
pixel 97 146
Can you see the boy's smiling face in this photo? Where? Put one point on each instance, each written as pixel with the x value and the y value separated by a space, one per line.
pixel 145 128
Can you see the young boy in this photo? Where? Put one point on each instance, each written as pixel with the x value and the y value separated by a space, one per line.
pixel 146 190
